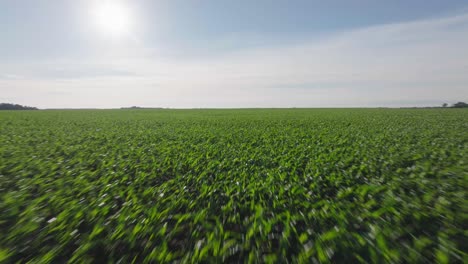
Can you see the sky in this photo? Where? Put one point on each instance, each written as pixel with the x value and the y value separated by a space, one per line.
pixel 233 54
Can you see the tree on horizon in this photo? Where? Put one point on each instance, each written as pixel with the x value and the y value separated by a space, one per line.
pixel 6 106
pixel 460 105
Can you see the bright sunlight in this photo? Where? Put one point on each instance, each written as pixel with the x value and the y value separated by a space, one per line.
pixel 113 17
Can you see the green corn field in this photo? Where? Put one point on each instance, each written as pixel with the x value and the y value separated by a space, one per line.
pixel 234 186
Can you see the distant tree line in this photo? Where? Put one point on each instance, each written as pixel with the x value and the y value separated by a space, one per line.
pixel 457 105
pixel 138 107
pixel 4 106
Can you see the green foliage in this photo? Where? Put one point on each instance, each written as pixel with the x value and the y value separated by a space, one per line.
pixel 297 185
pixel 460 105
pixel 5 106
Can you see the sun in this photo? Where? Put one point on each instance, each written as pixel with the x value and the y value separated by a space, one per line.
pixel 113 17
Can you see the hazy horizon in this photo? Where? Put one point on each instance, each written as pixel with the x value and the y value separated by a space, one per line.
pixel 223 54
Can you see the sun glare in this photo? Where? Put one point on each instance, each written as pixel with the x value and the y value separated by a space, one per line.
pixel 112 17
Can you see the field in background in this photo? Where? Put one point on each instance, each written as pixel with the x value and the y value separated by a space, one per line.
pixel 317 185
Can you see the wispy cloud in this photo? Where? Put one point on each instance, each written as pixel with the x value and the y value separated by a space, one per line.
pixel 413 63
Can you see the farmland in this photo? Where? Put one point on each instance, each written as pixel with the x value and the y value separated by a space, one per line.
pixel 264 185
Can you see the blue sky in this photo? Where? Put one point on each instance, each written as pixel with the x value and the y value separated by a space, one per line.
pixel 235 53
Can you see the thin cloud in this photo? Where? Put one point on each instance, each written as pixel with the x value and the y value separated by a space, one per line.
pixel 420 62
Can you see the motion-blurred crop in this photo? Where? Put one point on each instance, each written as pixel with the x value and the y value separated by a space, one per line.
pixel 297 185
